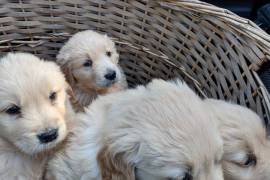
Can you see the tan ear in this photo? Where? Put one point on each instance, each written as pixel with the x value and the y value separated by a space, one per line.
pixel 113 167
pixel 66 69
pixel 70 92
pixel 75 103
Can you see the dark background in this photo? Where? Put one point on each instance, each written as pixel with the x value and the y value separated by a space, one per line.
pixel 244 8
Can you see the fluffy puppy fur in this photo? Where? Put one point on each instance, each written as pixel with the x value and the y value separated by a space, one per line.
pixel 90 63
pixel 246 148
pixel 34 111
pixel 160 131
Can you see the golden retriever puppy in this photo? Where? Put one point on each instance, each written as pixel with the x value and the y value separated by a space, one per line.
pixel 246 147
pixel 157 132
pixel 90 63
pixel 34 112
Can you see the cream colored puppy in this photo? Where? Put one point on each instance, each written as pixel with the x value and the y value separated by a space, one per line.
pixel 157 132
pixel 90 63
pixel 246 148
pixel 34 110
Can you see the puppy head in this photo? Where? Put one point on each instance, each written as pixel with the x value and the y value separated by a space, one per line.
pixel 246 148
pixel 90 60
pixel 33 103
pixel 164 134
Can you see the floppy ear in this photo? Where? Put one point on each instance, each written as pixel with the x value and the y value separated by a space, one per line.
pixel 70 92
pixel 114 167
pixel 73 99
pixel 66 69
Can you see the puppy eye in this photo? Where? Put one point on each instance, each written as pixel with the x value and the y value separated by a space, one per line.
pixel 109 53
pixel 187 176
pixel 87 63
pixel 13 110
pixel 242 159
pixel 250 161
pixel 53 96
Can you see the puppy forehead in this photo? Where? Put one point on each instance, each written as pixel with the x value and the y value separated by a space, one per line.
pixel 27 91
pixel 240 128
pixel 25 75
pixel 91 43
pixel 95 38
pixel 170 131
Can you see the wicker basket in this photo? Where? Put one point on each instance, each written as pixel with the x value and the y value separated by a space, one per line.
pixel 218 53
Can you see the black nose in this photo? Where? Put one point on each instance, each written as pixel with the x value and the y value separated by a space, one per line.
pixel 48 136
pixel 111 75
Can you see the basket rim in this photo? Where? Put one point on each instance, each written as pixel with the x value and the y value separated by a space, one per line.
pixel 239 24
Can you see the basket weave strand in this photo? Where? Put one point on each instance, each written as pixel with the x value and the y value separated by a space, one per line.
pixel 217 52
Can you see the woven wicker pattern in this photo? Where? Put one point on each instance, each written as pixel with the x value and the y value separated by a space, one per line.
pixel 215 51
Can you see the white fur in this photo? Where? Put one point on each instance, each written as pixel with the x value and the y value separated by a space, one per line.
pixel 161 130
pixel 244 136
pixel 27 81
pixel 88 82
